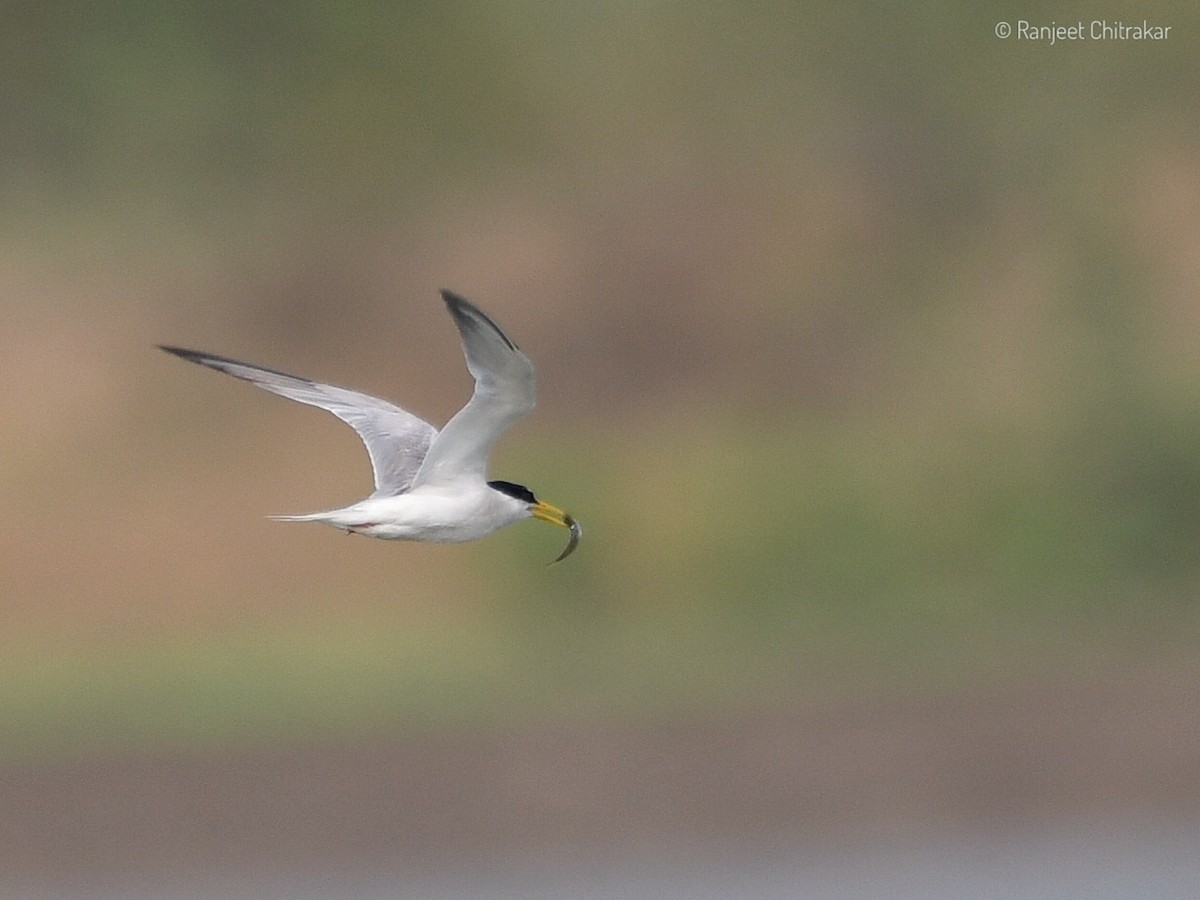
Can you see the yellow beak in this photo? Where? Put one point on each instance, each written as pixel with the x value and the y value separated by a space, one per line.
pixel 556 516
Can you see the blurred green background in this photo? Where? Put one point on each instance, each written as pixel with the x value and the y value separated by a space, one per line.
pixel 865 342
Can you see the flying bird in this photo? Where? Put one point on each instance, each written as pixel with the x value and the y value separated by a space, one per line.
pixel 430 485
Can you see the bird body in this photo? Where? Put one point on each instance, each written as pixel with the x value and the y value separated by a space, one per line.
pixel 429 485
pixel 436 513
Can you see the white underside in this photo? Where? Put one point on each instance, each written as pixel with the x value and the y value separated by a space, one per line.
pixel 427 513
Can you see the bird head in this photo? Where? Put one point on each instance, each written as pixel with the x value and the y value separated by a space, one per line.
pixel 543 511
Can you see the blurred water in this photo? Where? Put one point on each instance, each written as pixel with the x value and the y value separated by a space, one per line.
pixel 1154 861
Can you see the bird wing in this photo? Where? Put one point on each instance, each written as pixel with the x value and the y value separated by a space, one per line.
pixel 396 440
pixel 504 391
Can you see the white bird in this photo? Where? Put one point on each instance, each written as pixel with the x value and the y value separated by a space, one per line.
pixel 429 485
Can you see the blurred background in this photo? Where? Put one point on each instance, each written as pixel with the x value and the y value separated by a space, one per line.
pixel 867 355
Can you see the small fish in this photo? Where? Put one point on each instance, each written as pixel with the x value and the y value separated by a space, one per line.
pixel 573 542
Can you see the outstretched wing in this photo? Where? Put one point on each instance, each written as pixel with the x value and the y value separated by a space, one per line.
pixel 505 390
pixel 396 440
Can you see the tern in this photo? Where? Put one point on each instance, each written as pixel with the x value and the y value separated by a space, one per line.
pixel 430 485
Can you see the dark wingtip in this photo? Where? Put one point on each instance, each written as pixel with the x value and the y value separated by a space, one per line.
pixel 457 303
pixel 226 364
pixel 211 360
pixel 181 352
pixel 465 311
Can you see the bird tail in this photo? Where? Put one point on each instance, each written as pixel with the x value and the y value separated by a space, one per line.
pixel 307 517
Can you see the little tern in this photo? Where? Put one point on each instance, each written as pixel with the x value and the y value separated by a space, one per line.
pixel 430 485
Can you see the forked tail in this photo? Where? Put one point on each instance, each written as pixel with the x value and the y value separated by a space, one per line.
pixel 307 517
